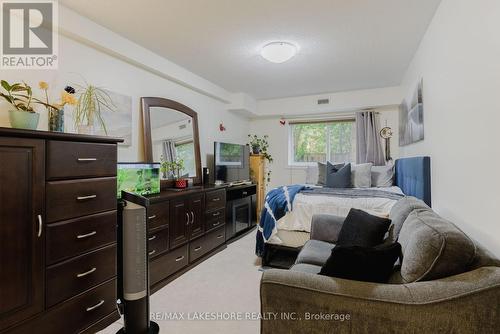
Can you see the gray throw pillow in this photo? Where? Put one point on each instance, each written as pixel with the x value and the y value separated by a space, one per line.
pixel 361 175
pixel 383 176
pixel 338 176
pixel 321 174
pixel 433 248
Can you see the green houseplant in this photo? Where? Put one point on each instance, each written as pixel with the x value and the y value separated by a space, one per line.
pixel 260 146
pixel 92 101
pixel 173 169
pixel 20 97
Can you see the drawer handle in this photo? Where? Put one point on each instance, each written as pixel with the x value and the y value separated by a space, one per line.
pixel 152 252
pixel 245 193
pixel 152 217
pixel 215 199
pixel 152 238
pixel 220 236
pixel 82 198
pixel 86 273
pixel 86 159
pixel 216 224
pixel 83 236
pixel 192 217
pixel 91 308
pixel 197 248
pixel 187 219
pixel 40 226
pixel 180 258
pixel 197 201
pixel 216 214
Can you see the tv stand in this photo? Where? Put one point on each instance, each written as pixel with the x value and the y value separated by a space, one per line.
pixel 241 209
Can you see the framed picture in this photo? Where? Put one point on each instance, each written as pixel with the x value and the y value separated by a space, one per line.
pixel 411 117
pixel 118 123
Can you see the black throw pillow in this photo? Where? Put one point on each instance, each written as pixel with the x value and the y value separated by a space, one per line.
pixel 338 176
pixel 368 264
pixel 362 229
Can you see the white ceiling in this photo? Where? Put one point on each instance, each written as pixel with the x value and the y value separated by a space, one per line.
pixel 344 44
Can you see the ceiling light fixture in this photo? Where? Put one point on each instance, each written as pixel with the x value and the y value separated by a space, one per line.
pixel 278 52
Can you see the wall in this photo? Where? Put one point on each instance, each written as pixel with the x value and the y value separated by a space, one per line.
pixel 281 173
pixel 78 60
pixel 459 61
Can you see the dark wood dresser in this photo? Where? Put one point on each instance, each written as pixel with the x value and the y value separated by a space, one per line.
pixel 185 227
pixel 58 221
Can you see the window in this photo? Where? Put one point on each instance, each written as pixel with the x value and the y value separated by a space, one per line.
pixel 311 142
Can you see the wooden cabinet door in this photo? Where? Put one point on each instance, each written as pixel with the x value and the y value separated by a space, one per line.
pixel 197 226
pixel 22 234
pixel 179 222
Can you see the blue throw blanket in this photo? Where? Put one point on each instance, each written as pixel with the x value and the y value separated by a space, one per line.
pixel 278 203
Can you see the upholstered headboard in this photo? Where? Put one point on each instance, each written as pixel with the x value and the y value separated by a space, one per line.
pixel 413 176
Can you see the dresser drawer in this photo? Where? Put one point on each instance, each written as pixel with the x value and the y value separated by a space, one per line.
pixel 77 236
pixel 158 215
pixel 78 160
pixel 215 219
pixel 205 244
pixel 71 277
pixel 166 265
pixel 215 199
pixel 158 242
pixel 74 198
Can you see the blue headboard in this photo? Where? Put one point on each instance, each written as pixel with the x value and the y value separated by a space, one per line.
pixel 413 176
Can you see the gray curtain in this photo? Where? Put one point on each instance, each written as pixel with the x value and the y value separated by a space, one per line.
pixel 169 152
pixel 368 140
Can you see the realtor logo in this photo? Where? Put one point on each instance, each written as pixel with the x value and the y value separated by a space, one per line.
pixel 29 36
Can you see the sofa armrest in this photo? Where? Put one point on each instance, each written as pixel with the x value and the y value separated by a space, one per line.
pixel 325 227
pixel 465 303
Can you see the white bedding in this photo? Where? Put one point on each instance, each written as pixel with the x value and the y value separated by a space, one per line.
pixel 305 206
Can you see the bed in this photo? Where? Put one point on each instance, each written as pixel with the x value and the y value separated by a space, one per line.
pixel 412 178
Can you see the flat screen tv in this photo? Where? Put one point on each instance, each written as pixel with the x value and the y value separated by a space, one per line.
pixel 231 162
pixel 138 178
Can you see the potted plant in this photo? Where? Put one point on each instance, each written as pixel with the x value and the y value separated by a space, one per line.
pixel 56 111
pixel 92 101
pixel 20 97
pixel 174 169
pixel 260 146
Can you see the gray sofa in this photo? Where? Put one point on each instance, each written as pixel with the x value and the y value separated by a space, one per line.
pixel 445 283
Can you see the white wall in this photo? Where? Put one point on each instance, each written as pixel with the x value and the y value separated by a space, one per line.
pixel 281 173
pixel 77 60
pixel 459 61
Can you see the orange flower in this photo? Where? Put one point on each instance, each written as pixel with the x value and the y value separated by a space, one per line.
pixel 67 98
pixel 43 85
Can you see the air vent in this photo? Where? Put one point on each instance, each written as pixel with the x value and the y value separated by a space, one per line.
pixel 323 101
pixel 182 127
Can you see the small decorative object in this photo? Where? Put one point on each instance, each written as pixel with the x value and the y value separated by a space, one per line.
pixel 20 97
pixel 222 127
pixel 181 184
pixel 282 121
pixel 260 146
pixel 56 111
pixel 92 101
pixel 386 133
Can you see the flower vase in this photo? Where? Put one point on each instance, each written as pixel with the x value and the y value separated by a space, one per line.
pixel 56 120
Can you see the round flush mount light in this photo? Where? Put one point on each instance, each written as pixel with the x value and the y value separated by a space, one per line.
pixel 278 52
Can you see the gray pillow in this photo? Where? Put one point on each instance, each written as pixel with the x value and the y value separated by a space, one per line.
pixel 338 176
pixel 383 176
pixel 361 175
pixel 321 174
pixel 433 248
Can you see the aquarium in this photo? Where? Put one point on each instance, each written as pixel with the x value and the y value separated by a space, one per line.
pixel 138 178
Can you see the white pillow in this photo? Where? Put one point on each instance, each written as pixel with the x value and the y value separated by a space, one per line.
pixel 361 175
pixel 383 176
pixel 312 175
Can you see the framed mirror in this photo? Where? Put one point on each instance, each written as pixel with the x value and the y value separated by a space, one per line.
pixel 171 133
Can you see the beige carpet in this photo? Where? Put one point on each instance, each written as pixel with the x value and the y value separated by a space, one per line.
pixel 227 284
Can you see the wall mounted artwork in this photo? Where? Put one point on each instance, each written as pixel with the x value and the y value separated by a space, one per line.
pixel 411 117
pixel 118 123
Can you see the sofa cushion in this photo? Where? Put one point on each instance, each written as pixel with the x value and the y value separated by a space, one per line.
pixel 306 268
pixel 362 229
pixel 315 252
pixel 400 212
pixel 369 264
pixel 433 247
pixel 361 175
pixel 338 176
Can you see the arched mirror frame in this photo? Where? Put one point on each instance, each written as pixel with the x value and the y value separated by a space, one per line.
pixel 147 103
